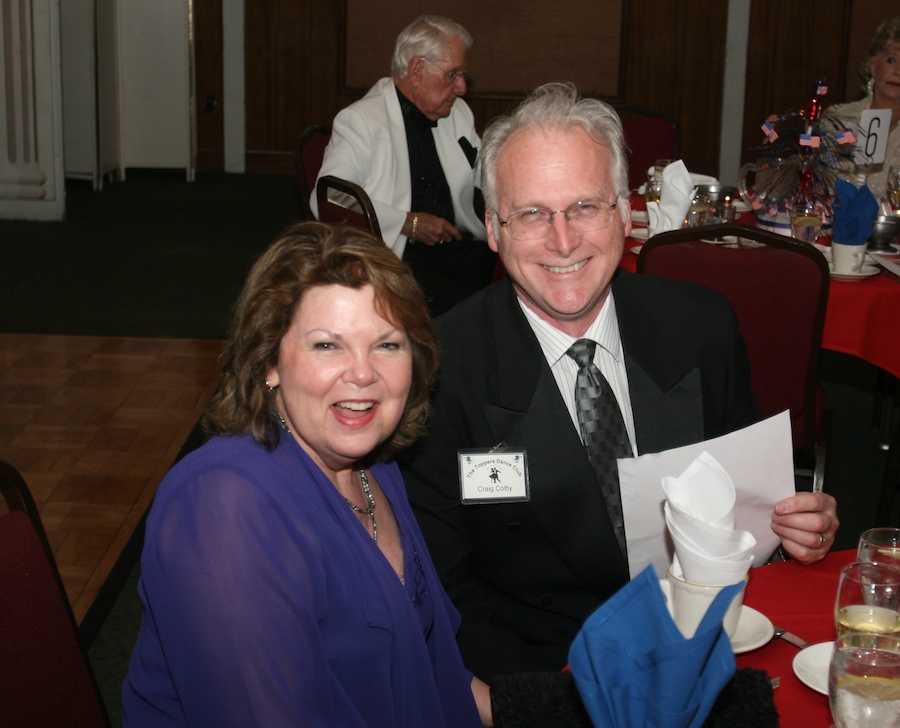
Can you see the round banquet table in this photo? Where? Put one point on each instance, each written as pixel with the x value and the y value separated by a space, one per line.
pixel 799 599
pixel 861 316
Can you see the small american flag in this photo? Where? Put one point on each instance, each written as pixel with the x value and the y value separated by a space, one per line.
pixel 845 137
pixel 822 90
pixel 807 140
pixel 768 129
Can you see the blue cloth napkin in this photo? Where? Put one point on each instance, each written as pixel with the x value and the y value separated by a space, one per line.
pixel 634 669
pixel 855 213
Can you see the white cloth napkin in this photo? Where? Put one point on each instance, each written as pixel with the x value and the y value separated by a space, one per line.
pixel 675 199
pixel 696 180
pixel 699 512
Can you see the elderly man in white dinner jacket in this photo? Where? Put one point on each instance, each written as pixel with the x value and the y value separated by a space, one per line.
pixel 370 145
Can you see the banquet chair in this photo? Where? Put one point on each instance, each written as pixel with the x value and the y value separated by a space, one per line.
pixel 649 136
pixel 890 485
pixel 45 676
pixel 779 290
pixel 309 149
pixel 355 209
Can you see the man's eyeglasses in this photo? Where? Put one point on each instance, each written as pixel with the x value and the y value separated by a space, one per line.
pixel 452 76
pixel 584 216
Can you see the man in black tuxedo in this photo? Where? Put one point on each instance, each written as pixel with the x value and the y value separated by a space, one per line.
pixel 526 574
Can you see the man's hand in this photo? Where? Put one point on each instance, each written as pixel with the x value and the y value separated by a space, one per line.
pixel 806 523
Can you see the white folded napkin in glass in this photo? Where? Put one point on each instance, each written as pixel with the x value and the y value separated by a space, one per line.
pixel 699 511
pixel 675 198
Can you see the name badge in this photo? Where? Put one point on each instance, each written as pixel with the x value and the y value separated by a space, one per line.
pixel 499 475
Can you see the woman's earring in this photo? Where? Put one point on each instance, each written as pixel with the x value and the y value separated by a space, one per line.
pixel 271 389
pixel 870 86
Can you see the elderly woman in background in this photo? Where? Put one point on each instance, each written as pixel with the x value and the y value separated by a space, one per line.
pixel 880 74
pixel 284 579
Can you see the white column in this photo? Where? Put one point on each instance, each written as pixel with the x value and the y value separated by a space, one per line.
pixel 733 92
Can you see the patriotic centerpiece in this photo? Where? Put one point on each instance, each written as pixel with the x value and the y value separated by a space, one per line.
pixel 799 158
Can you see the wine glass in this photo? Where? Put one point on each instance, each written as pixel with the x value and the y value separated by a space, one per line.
pixel 864 681
pixel 868 599
pixel 806 219
pixel 893 187
pixel 880 545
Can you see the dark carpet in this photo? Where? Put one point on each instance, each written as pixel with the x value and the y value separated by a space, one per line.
pixel 157 256
pixel 150 256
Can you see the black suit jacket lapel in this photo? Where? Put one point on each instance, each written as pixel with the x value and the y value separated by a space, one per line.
pixel 532 414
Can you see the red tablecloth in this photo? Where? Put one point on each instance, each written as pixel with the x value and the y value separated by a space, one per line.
pixel 801 600
pixel 861 317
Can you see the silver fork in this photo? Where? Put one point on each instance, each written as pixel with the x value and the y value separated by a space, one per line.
pixel 776 682
pixel 792 638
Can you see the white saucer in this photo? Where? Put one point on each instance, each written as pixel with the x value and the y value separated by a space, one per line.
pixel 640 217
pixel 636 249
pixel 640 233
pixel 754 628
pixel 811 666
pixel 867 271
pixel 727 240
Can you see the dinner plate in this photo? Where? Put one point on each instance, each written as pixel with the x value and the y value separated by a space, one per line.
pixel 867 271
pixel 636 249
pixel 754 628
pixel 640 233
pixel 640 217
pixel 811 666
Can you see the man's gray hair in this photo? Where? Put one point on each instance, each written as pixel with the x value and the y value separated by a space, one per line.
pixel 556 106
pixel 425 36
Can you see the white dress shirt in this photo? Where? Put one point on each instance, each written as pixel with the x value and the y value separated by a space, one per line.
pixel 608 356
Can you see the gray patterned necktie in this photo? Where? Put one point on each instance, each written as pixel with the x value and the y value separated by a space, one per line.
pixel 602 429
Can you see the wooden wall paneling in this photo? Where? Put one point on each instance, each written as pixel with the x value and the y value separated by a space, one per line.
pixel 790 46
pixel 518 44
pixel 866 16
pixel 675 65
pixel 209 85
pixel 290 64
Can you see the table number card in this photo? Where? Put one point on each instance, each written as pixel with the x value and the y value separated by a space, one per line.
pixel 872 137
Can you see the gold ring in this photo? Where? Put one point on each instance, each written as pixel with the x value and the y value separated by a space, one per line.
pixel 821 540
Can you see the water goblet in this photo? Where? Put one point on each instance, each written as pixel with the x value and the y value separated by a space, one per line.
pixel 806 220
pixel 893 187
pixel 864 681
pixel 868 599
pixel 880 545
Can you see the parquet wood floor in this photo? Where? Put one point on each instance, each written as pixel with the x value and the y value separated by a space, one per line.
pixel 93 424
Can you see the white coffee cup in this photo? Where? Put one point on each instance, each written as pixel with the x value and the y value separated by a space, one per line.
pixel 847 258
pixel 690 602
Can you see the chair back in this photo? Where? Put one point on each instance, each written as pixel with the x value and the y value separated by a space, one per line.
pixel 778 288
pixel 45 676
pixel 355 209
pixel 649 136
pixel 309 150
pixel 890 485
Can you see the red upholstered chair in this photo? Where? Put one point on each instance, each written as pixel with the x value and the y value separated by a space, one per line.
pixel 779 289
pixel 649 136
pixel 309 149
pixel 357 210
pixel 45 676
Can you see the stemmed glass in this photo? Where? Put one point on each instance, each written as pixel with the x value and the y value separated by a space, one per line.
pixel 864 681
pixel 868 599
pixel 880 545
pixel 893 187
pixel 806 219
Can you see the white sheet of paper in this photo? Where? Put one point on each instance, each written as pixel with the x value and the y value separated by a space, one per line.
pixel 759 460
pixel 872 137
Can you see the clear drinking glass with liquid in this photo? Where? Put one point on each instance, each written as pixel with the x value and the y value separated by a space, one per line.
pixel 864 681
pixel 868 599
pixel 806 220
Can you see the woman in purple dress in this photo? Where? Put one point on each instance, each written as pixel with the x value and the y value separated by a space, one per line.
pixel 284 579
